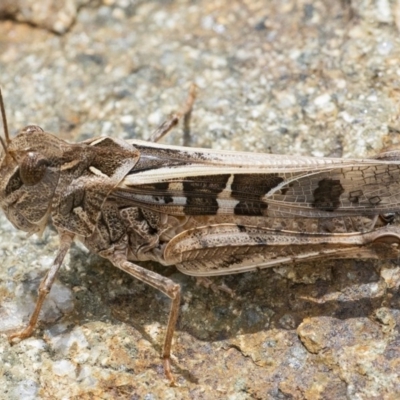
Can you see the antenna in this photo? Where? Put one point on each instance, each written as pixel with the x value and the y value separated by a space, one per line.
pixel 4 118
pixel 3 143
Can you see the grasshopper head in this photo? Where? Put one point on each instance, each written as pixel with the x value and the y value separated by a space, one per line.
pixel 29 172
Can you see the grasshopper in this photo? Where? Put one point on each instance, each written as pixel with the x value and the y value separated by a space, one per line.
pixel 207 212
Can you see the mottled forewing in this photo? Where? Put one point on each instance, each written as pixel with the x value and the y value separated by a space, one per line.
pixel 180 181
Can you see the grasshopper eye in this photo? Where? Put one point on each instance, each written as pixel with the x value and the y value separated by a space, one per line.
pixel 32 168
pixel 32 129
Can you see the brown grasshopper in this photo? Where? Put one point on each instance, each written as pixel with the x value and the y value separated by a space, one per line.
pixel 207 212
